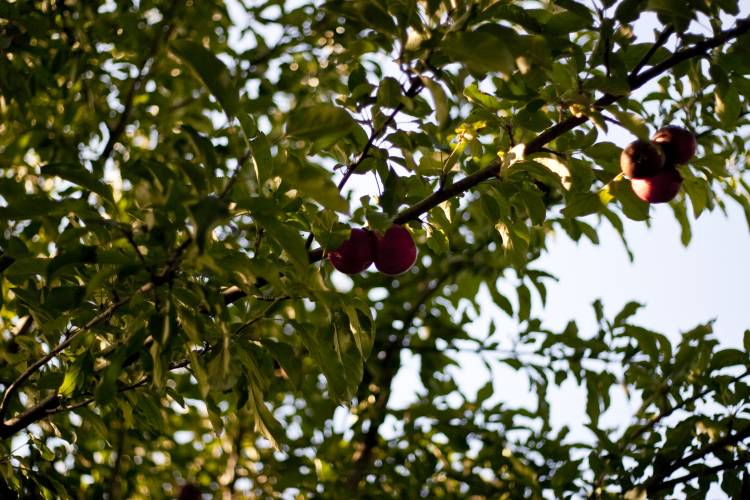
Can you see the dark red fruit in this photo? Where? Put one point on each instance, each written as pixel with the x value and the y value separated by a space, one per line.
pixel 190 492
pixel 355 254
pixel 641 159
pixel 660 188
pixel 395 251
pixel 679 144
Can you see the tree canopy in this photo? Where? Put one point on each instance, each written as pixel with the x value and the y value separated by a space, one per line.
pixel 174 173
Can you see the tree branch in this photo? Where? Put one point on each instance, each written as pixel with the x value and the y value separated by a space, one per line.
pixel 552 133
pixel 233 294
pixel 658 43
pixel 115 486
pixel 414 88
pixel 13 387
pixel 626 441
pixel 705 471
pixel 655 483
pixel 33 414
pixel 37 412
pixel 665 413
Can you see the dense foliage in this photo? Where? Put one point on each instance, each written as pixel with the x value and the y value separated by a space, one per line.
pixel 167 199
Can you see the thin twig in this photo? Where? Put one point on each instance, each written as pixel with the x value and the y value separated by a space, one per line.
pixel 658 43
pixel 414 88
pixel 53 400
pixel 54 352
pixel 705 471
pixel 657 480
pixel 144 70
pixel 236 173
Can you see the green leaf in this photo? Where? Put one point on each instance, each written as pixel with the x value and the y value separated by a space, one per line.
pixel 247 122
pixel 315 182
pixel 568 22
pixel 288 238
pixel 343 375
pixel 439 99
pixel 81 254
pixel 74 375
pixel 727 105
pixel 680 214
pixel 389 93
pixel 535 206
pixel 580 204
pixel 64 298
pixel 262 159
pixel 77 174
pixel 206 214
pixel 214 73
pixel 199 371
pixel 361 327
pixel 33 206
pixel 322 124
pixel 476 96
pixel 629 310
pixel 524 302
pixel 284 354
pixel 486 50
pixel 729 357
pixel 265 423
pixel 697 190
pixel 632 122
pixel 151 411
pixel 633 207
pixel 23 268
pixel 437 240
pixel 604 151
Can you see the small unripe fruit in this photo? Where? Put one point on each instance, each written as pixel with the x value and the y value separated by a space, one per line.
pixel 641 159
pixel 355 254
pixel 660 188
pixel 679 144
pixel 395 251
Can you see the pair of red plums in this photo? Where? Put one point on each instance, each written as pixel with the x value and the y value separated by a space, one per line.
pixel 393 252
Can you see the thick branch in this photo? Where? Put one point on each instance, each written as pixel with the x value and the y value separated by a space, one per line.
pixel 535 145
pixel 37 412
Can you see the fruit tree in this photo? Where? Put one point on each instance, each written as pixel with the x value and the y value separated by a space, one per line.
pixel 223 225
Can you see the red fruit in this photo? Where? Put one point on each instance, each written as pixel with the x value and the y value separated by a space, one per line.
pixel 190 492
pixel 679 144
pixel 660 188
pixel 395 251
pixel 641 159
pixel 355 254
